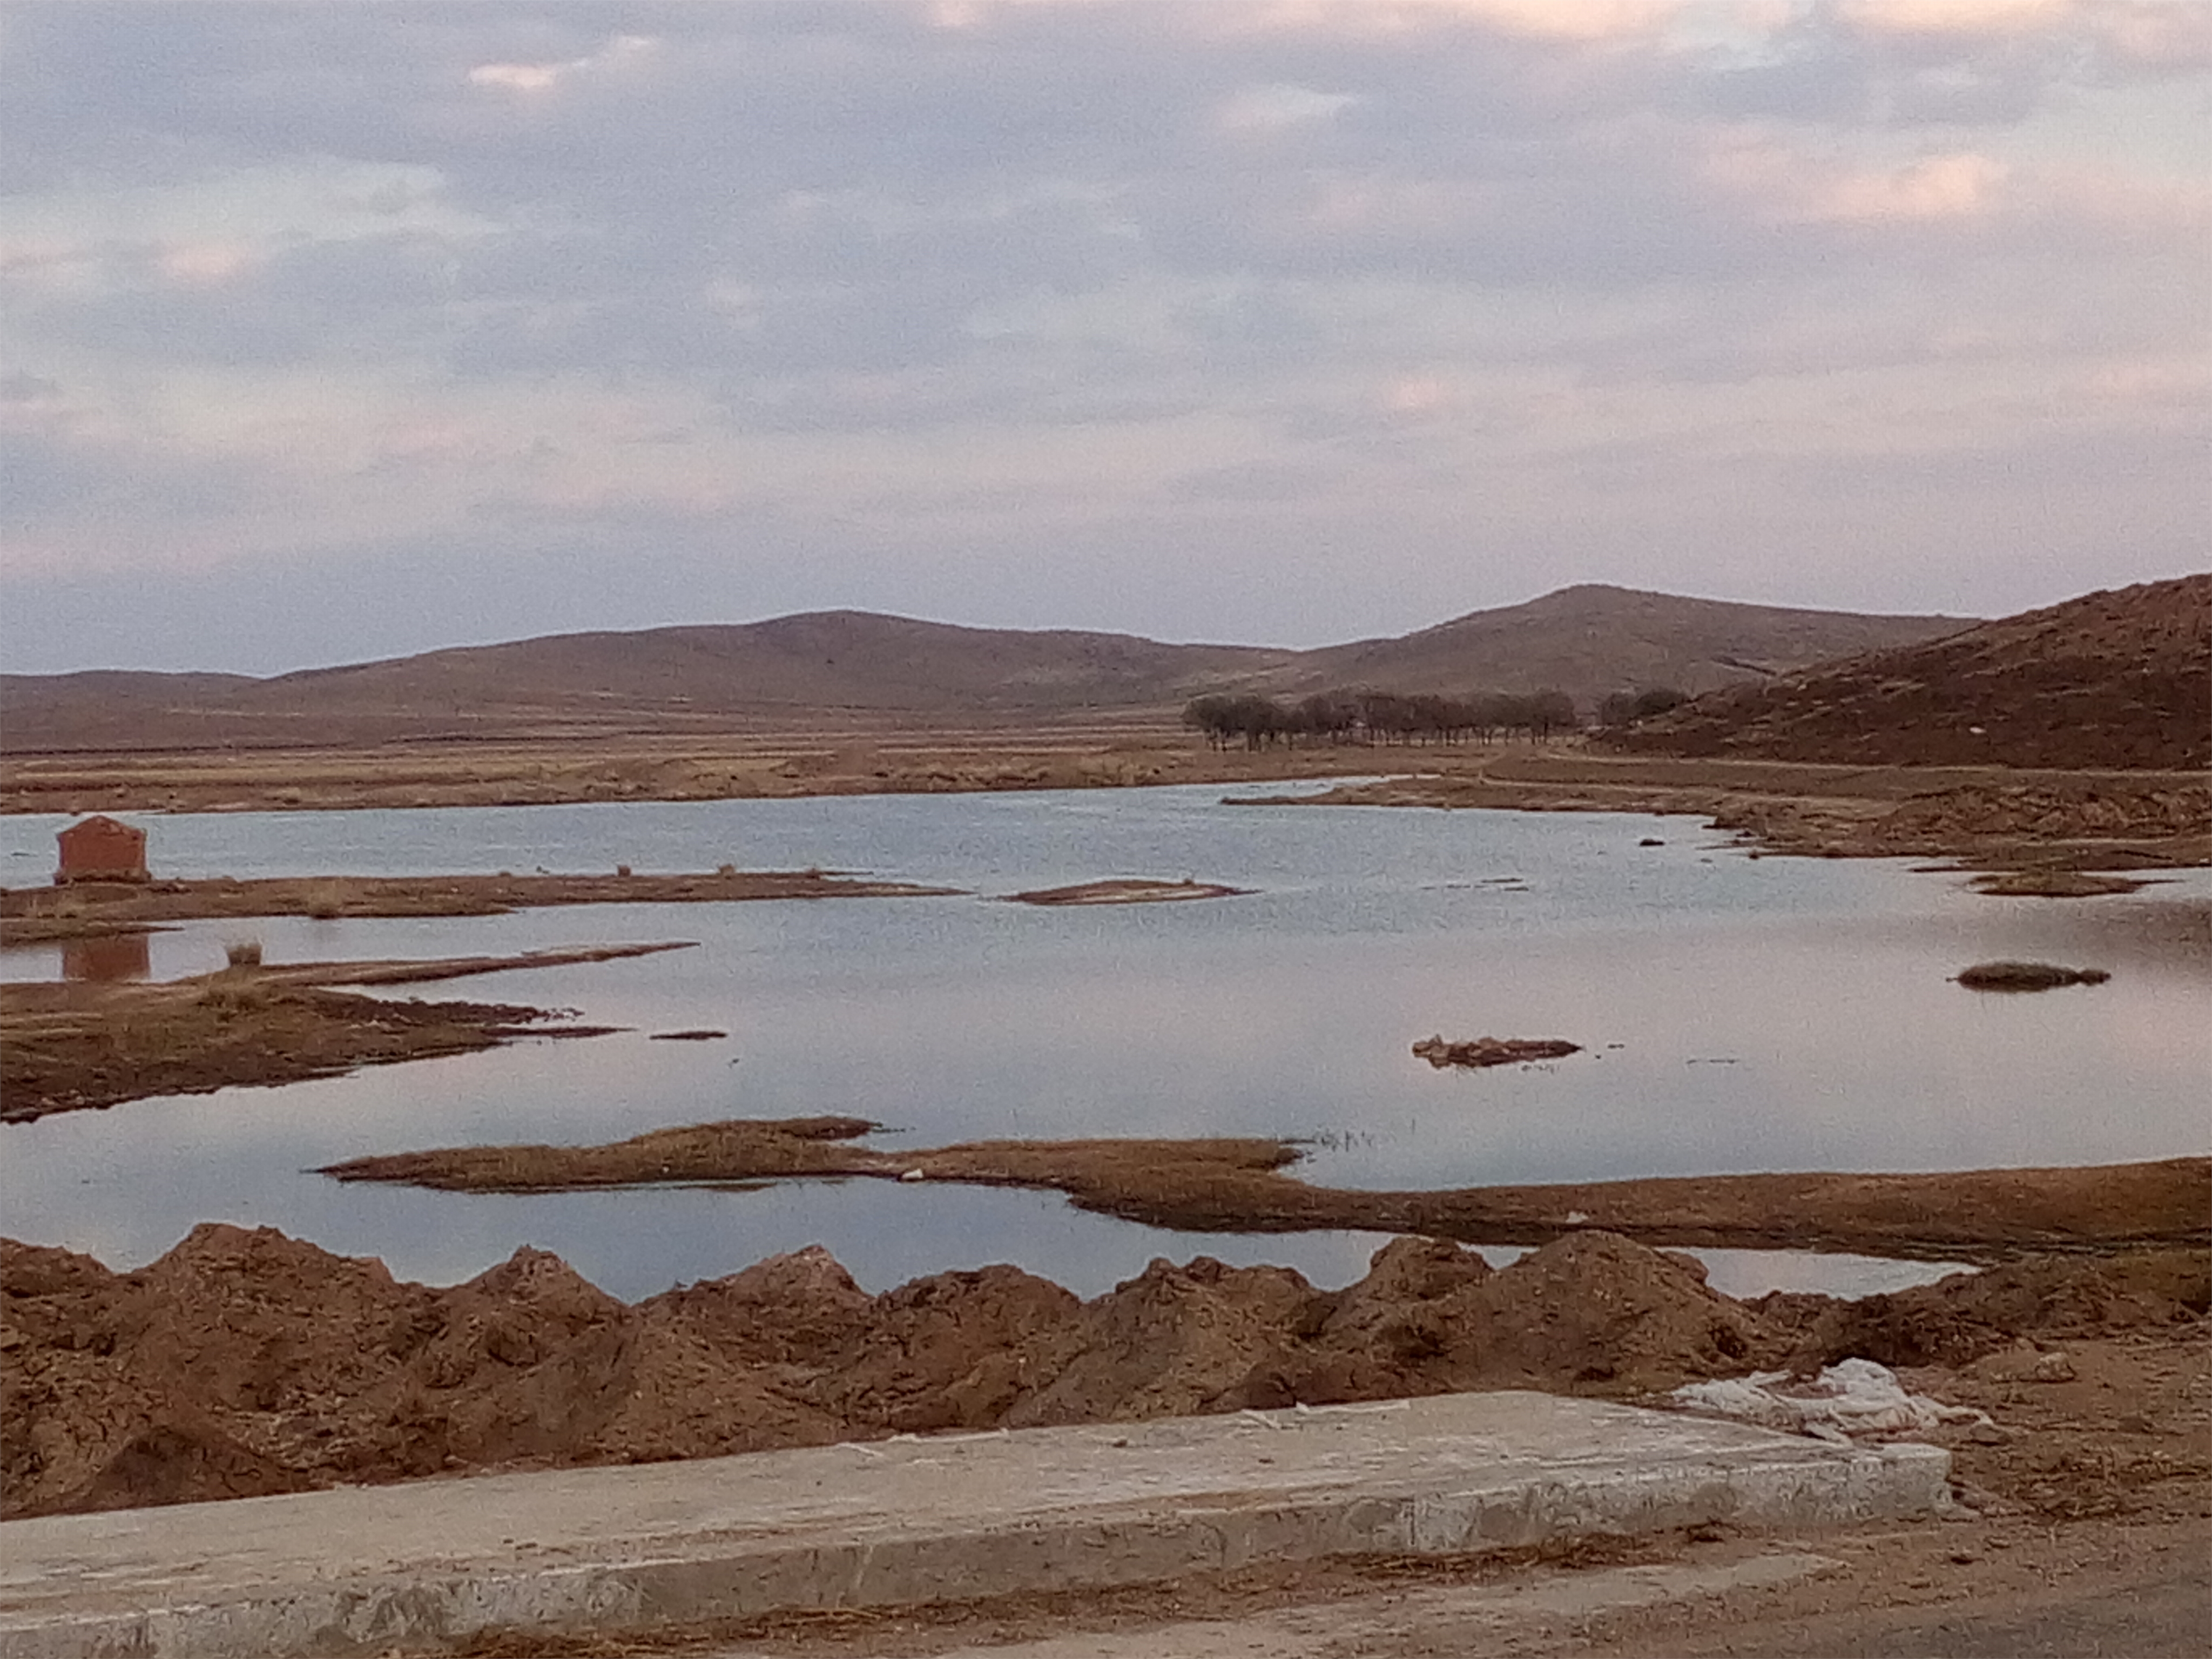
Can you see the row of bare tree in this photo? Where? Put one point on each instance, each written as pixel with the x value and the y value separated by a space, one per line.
pixel 1360 716
pixel 1377 717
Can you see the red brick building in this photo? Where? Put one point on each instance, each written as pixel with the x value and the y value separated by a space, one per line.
pixel 101 849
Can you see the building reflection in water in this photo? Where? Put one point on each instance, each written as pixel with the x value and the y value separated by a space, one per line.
pixel 115 957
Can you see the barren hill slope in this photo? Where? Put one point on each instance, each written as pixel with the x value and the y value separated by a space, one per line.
pixel 1593 639
pixel 2119 678
pixel 1586 640
pixel 824 663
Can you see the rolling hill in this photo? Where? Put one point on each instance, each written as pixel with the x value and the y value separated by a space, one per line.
pixel 1592 638
pixel 1586 641
pixel 2120 678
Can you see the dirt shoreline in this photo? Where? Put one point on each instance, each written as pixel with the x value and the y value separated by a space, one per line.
pixel 71 1046
pixel 1999 818
pixel 1227 1185
pixel 31 915
pixel 245 1362
pixel 2027 833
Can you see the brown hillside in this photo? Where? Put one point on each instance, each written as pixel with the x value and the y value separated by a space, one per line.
pixel 821 663
pixel 1586 640
pixel 2119 679
pixel 1592 639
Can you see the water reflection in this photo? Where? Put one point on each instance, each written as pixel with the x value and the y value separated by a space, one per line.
pixel 1822 986
pixel 118 956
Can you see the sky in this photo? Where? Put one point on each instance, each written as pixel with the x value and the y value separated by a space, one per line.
pixel 342 331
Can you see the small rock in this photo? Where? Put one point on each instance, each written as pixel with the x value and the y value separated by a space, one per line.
pixel 1988 1434
pixel 913 1174
pixel 2051 1368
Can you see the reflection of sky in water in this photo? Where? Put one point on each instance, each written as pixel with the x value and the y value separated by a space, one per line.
pixel 1772 1014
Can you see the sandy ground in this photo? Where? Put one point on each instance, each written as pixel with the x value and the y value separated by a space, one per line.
pixel 1972 1588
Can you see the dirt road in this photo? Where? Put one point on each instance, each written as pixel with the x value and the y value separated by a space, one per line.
pixel 1967 1589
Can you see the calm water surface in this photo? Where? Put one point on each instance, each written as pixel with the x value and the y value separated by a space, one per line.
pixel 1737 1014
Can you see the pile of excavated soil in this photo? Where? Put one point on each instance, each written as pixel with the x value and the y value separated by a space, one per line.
pixel 244 1363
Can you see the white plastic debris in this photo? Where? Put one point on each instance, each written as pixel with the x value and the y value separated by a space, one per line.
pixel 1851 1397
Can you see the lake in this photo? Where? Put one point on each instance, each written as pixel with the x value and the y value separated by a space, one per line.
pixel 1737 1013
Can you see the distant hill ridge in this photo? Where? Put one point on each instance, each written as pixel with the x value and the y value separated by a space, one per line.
pixel 2118 678
pixel 1588 641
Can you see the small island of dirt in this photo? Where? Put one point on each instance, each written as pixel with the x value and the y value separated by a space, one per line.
pixel 1494 1051
pixel 31 915
pixel 2028 977
pixel 1240 1185
pixel 1121 890
pixel 73 1045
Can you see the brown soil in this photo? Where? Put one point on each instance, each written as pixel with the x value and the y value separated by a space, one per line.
pixel 1127 891
pixel 1494 1051
pixel 245 1362
pixel 69 1046
pixel 29 915
pixel 1227 1185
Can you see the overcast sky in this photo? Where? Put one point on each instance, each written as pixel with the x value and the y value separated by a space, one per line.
pixel 346 330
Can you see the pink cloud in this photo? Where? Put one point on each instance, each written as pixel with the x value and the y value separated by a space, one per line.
pixel 1788 188
pixel 204 264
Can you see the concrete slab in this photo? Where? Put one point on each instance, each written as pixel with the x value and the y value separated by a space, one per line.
pixel 425 1567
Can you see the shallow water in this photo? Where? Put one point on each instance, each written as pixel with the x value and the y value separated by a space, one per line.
pixel 1737 1015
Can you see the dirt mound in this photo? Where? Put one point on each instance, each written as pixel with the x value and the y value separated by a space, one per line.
pixel 1171 1342
pixel 2117 679
pixel 1957 1321
pixel 954 1351
pixel 798 1309
pixel 245 1362
pixel 1594 1308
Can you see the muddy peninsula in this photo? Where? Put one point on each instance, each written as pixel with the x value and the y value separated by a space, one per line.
pixel 1242 1185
